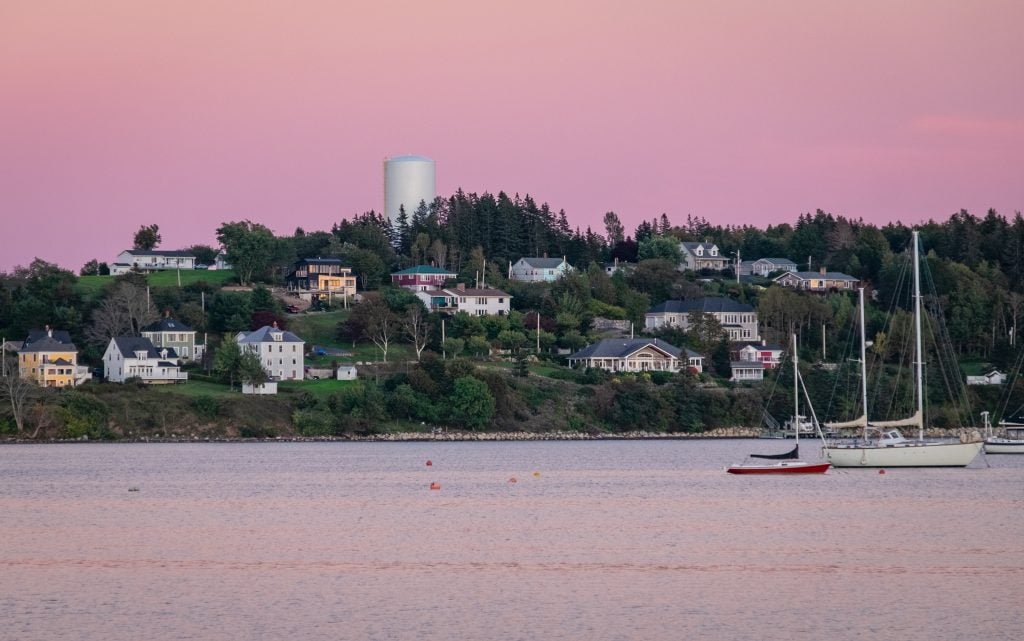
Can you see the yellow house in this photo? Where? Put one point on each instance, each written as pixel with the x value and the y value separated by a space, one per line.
pixel 50 361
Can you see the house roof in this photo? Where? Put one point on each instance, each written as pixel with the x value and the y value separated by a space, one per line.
pixel 746 365
pixel 58 335
pixel 709 304
pixel 48 344
pixel 262 335
pixel 167 324
pixel 762 347
pixel 776 261
pixel 426 270
pixel 486 292
pixel 542 263
pixel 319 261
pixel 156 252
pixel 131 344
pixel 620 348
pixel 62 361
pixel 693 247
pixel 819 276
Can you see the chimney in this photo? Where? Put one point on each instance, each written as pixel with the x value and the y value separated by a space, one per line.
pixel 822 270
pixel 274 324
pixel 167 313
pixel 461 287
pixel 49 331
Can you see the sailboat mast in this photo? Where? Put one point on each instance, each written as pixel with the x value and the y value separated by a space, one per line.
pixel 863 366
pixel 917 331
pixel 796 394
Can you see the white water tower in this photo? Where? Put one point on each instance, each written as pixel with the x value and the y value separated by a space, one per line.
pixel 407 181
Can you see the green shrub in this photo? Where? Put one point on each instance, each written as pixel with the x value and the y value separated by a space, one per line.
pixel 313 422
pixel 207 406
pixel 83 415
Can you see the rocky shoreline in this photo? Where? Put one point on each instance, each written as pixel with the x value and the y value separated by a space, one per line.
pixel 455 436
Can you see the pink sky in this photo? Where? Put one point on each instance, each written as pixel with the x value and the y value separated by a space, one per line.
pixel 118 113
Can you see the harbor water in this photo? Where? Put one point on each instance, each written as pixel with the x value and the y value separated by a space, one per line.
pixel 644 540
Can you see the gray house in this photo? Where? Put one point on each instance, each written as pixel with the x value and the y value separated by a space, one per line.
pixel 739 320
pixel 636 355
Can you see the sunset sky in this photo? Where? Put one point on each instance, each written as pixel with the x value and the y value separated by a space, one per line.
pixel 118 113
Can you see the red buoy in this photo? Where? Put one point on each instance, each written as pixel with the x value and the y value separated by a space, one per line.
pixel 881 471
pixel 435 486
pixel 513 480
pixel 429 462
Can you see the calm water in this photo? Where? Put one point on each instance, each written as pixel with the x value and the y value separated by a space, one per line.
pixel 635 540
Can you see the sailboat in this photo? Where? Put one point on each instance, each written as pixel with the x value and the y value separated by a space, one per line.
pixel 787 462
pixel 881 443
pixel 1012 443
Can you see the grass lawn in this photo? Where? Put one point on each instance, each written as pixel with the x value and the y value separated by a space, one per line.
pixel 323 387
pixel 169 278
pixel 318 328
pixel 91 286
pixel 193 388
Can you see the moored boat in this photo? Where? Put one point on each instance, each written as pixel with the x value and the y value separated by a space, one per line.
pixel 881 444
pixel 786 462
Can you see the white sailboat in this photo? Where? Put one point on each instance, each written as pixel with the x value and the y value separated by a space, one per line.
pixel 1011 443
pixel 881 443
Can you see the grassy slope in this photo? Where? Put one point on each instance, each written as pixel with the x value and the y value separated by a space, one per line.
pixel 91 286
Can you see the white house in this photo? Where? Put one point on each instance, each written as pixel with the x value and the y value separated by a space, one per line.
pixel 264 389
pixel 995 377
pixel 129 357
pixel 535 270
pixel 346 373
pixel 637 355
pixel 747 371
pixel 483 301
pixel 706 255
pixel 737 319
pixel 281 352
pixel 151 261
pixel 770 356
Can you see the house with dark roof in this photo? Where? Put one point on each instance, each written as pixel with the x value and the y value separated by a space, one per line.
pixel 321 278
pixel 151 260
pixel 822 281
pixel 637 355
pixel 422 278
pixel 135 357
pixel 49 358
pixel 705 255
pixel 739 320
pixel 530 269
pixel 475 301
pixel 176 335
pixel 281 352
pixel 765 266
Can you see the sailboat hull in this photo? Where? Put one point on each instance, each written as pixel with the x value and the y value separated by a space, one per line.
pixel 782 467
pixel 995 445
pixel 909 454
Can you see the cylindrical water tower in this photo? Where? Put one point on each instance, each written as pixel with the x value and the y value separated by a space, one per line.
pixel 407 181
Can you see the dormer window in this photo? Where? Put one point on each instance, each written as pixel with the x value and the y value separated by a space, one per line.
pixel 277 336
pixel 700 251
pixel 714 251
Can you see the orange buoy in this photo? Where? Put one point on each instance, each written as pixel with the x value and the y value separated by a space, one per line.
pixel 513 480
pixel 429 462
pixel 881 471
pixel 536 473
pixel 435 486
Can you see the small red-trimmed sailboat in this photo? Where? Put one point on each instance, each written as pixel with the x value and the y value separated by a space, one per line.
pixel 787 462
